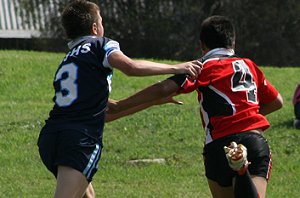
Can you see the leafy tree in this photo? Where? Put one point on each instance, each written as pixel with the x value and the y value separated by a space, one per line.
pixel 267 31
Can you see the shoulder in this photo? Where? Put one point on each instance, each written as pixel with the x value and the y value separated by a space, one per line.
pixel 249 62
pixel 105 43
pixel 254 68
pixel 100 42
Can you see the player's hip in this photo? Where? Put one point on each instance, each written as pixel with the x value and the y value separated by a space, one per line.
pixel 259 154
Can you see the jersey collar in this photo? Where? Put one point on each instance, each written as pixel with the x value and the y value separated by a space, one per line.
pixel 217 52
pixel 78 40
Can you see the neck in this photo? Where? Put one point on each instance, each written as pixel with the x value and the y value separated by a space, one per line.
pixel 218 52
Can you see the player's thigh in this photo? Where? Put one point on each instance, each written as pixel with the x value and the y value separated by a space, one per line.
pixel 218 191
pixel 261 185
pixel 70 183
pixel 77 149
pixel 259 154
pixel 47 143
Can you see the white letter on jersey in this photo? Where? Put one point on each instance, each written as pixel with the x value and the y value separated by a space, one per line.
pixel 75 51
pixel 86 48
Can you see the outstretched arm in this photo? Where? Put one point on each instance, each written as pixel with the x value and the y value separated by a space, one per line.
pixel 159 93
pixel 114 116
pixel 146 68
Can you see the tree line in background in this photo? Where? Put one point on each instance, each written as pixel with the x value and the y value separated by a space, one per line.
pixel 267 31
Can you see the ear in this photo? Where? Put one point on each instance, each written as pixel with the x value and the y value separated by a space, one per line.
pixel 233 44
pixel 203 47
pixel 94 29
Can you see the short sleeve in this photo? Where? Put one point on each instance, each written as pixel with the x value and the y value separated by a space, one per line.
pixel 266 91
pixel 185 83
pixel 110 47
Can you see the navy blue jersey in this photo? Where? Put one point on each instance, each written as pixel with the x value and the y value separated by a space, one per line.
pixel 82 81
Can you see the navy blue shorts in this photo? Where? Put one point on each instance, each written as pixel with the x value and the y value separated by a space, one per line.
pixel 76 147
pixel 216 165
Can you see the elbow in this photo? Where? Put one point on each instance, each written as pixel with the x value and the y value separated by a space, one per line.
pixel 280 105
pixel 275 104
pixel 279 101
pixel 131 69
pixel 160 93
pixel 272 106
pixel 127 67
pixel 164 89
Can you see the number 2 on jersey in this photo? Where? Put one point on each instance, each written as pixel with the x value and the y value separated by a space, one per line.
pixel 242 80
pixel 66 76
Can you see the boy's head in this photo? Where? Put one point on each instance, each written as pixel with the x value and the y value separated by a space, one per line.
pixel 217 32
pixel 81 18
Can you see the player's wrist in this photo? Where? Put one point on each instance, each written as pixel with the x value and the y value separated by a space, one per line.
pixel 180 69
pixel 113 107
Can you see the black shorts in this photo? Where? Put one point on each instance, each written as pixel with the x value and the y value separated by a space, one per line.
pixel 77 147
pixel 216 165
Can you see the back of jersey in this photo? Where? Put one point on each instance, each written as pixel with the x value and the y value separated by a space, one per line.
pixel 230 93
pixel 82 81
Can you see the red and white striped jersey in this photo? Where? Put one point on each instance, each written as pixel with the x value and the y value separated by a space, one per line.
pixel 230 91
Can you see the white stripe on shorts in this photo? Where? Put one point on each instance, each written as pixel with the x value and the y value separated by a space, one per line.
pixel 93 161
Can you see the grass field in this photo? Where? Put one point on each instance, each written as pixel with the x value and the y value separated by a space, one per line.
pixel 169 131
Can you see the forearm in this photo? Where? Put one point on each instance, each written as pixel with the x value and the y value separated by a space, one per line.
pixel 150 94
pixel 114 116
pixel 110 116
pixel 159 93
pixel 145 96
pixel 146 68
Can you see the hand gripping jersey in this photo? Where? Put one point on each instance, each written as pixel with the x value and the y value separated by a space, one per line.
pixel 230 90
pixel 82 81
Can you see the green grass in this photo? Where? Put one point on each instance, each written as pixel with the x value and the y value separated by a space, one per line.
pixel 169 131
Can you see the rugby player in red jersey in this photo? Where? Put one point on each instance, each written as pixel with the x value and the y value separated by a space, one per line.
pixel 234 97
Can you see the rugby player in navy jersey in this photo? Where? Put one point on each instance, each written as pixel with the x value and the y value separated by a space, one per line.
pixel 70 143
pixel 234 97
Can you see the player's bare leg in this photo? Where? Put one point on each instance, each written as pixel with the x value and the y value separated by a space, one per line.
pixel 70 183
pixel 89 192
pixel 261 185
pixel 244 186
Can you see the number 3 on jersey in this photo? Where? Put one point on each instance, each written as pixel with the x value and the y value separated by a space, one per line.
pixel 66 77
pixel 242 80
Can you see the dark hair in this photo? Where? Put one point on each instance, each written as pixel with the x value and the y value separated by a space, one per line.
pixel 78 18
pixel 217 31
